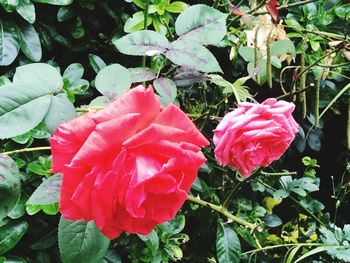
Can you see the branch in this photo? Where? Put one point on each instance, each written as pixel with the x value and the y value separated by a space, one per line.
pixel 223 211
pixel 43 148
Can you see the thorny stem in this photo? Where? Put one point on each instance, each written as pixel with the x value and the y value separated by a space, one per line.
pixel 222 211
pixel 286 6
pixel 33 149
pixel 292 93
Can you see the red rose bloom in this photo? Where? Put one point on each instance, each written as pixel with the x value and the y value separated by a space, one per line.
pixel 129 166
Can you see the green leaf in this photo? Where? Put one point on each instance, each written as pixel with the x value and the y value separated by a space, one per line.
pixel 10 185
pixel 96 62
pixel 9 5
pixel 142 43
pixel 65 13
pixel 26 10
pixel 166 89
pixel 193 56
pixel 111 257
pixel 45 241
pixel 10 42
pixel 48 192
pixel 11 234
pixel 113 80
pixel 338 240
pixel 20 208
pixel 54 2
pixel 201 24
pixel 79 86
pixel 174 226
pixel 220 81
pixel 282 47
pixel 73 72
pixel 141 74
pixel 61 110
pixel 228 247
pixel 30 42
pixel 247 53
pixel 13 259
pixel 151 241
pixel 187 77
pixel 37 75
pixel 81 242
pixel 36 168
pixel 311 253
pixel 136 22
pixel 22 109
pixel 261 77
pixel 4 80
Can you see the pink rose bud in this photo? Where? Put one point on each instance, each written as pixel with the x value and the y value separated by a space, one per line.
pixel 255 135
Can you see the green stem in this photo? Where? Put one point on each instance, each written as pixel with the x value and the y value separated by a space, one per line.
pixel 348 127
pixel 34 149
pixel 291 245
pixel 278 174
pixel 232 193
pixel 145 27
pixel 222 211
pixel 292 93
pixel 216 3
pixel 302 95
pixel 317 101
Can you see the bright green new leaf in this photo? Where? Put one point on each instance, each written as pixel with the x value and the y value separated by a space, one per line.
pixel 81 242
pixel 201 24
pixel 113 80
pixel 136 22
pixel 176 7
pixel 193 56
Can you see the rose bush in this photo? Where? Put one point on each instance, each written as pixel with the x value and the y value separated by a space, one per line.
pixel 255 134
pixel 129 166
